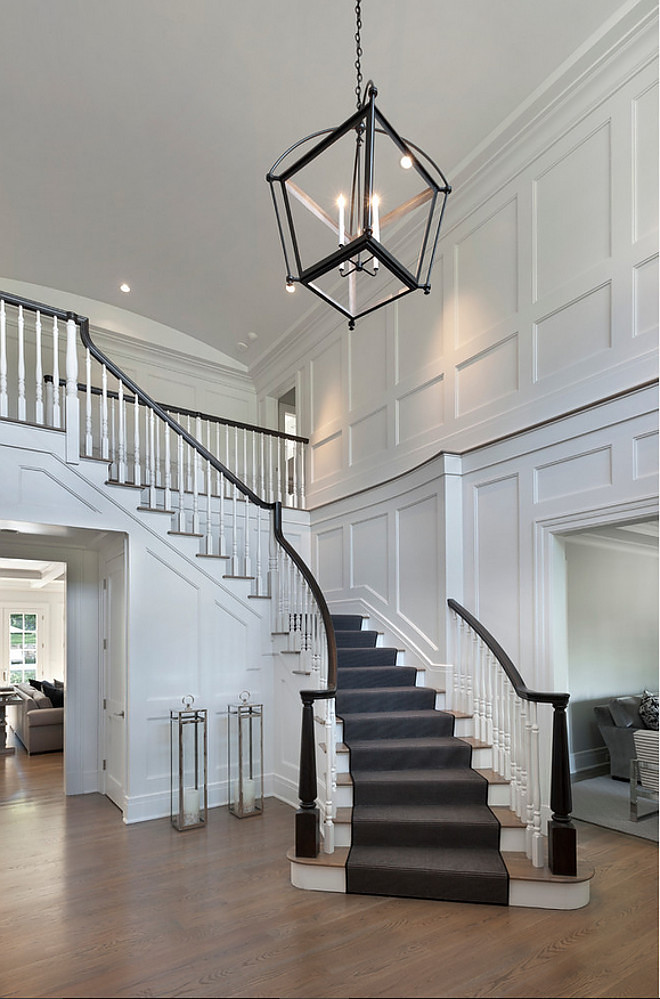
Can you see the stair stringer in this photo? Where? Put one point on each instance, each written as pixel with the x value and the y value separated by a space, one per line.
pixel 226 646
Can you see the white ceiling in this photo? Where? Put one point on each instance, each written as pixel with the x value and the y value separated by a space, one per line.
pixel 136 134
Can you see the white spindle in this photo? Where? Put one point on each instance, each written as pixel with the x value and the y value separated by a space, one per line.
pixel 105 448
pixel 167 494
pixel 89 441
pixel 152 452
pixel 234 533
pixel 218 475
pixel 57 416
pixel 330 777
pixel 258 588
pixel 181 514
pixel 209 536
pixel 195 461
pixel 158 468
pixel 537 856
pixel 189 460
pixel 222 540
pixel 270 468
pixel 38 373
pixel 113 436
pixel 4 398
pixel 303 475
pixel 121 436
pixel 137 467
pixel 22 407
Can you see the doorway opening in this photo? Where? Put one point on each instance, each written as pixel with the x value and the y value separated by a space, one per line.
pixel 287 423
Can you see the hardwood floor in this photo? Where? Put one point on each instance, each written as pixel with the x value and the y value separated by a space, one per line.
pixel 94 908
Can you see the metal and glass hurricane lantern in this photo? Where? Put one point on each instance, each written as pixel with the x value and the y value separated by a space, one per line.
pixel 359 210
pixel 189 766
pixel 245 757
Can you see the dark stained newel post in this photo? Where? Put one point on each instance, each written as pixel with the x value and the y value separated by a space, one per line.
pixel 562 836
pixel 307 835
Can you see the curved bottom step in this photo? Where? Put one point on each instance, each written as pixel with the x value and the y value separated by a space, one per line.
pixel 529 887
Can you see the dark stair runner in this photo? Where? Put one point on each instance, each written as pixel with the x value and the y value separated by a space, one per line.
pixel 421 825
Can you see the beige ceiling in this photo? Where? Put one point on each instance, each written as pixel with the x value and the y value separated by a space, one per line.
pixel 136 134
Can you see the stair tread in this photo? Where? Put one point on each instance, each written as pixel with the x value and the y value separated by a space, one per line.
pixel 506 818
pixel 449 813
pixel 441 774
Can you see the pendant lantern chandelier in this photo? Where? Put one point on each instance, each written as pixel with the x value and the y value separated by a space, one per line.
pixel 358 209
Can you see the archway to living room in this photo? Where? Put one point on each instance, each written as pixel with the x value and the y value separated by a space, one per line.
pixel 82 553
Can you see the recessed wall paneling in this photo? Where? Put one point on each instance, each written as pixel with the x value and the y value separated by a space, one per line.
pixel 646 297
pixel 367 345
pixel 420 410
pixel 418 596
pixel 573 475
pixel 573 333
pixel 326 457
pixel 486 267
pixel 171 618
pixel 419 328
pixel 330 559
pixel 325 385
pixel 368 436
pixel 573 213
pixel 645 111
pixel 497 571
pixel 369 555
pixel 645 455
pixel 487 376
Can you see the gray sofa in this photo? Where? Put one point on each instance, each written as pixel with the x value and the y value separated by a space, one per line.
pixel 38 725
pixel 617 721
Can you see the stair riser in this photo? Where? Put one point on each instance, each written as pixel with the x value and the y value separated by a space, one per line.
pixel 416 698
pixel 364 658
pixel 445 835
pixel 411 758
pixel 424 884
pixel 377 794
pixel 498 794
pixel 434 725
pixel 360 678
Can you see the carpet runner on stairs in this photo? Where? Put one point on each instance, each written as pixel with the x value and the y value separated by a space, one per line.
pixel 421 825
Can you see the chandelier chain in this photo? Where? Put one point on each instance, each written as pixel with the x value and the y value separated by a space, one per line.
pixel 358 53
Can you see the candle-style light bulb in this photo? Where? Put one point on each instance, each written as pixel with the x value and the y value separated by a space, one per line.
pixel 406 162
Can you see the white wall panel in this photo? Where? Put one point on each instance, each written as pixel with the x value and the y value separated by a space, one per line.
pixel 330 559
pixel 419 329
pixel 497 559
pixel 418 596
pixel 573 333
pixel 368 362
pixel 646 297
pixel 326 386
pixel 370 555
pixel 326 457
pixel 645 456
pixel 645 117
pixel 368 436
pixel 486 274
pixel 171 617
pixel 488 376
pixel 573 475
pixel 573 212
pixel 421 410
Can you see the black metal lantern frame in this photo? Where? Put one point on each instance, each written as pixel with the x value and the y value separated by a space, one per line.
pixel 361 251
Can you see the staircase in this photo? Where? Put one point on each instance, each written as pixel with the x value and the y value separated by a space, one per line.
pixel 420 812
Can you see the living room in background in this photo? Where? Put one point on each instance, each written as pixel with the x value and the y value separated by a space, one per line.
pixel 32 606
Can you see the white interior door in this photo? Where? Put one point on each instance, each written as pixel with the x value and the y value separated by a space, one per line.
pixel 114 696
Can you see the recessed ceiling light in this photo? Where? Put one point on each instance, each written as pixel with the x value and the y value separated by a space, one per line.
pixel 242 345
pixel 125 288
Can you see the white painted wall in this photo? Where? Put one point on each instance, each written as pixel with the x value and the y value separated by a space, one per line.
pixel 545 292
pixel 612 632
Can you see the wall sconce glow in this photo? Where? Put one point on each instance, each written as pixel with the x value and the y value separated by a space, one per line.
pixel 125 288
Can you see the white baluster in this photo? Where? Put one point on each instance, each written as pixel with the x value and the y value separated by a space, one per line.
pixel 218 475
pixel 167 494
pixel 270 469
pixel 38 374
pixel 105 448
pixel 222 540
pixel 303 475
pixel 4 398
pixel 227 462
pixel 22 407
pixel 189 461
pixel 258 588
pixel 158 468
pixel 113 437
pixel 121 449
pixel 89 441
pixel 194 458
pixel 537 853
pixel 72 402
pixel 508 724
pixel 152 453
pixel 137 467
pixel 246 545
pixel 209 536
pixel 181 471
pixel 330 778
pixel 57 416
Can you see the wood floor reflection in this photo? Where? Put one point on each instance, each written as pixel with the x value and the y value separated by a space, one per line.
pixel 94 908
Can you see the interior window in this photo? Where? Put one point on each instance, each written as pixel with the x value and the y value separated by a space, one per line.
pixel 23 647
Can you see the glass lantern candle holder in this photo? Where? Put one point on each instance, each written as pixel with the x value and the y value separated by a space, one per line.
pixel 245 758
pixel 189 766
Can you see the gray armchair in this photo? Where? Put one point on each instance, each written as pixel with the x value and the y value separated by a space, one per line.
pixel 644 772
pixel 617 722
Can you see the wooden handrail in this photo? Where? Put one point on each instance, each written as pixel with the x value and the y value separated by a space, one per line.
pixel 562 837
pixel 307 793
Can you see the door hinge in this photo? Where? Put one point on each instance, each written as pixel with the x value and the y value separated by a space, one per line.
pixel 105 644
pixel 105 704
pixel 104 762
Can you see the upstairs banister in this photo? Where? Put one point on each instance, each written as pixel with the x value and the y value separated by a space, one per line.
pixel 562 838
pixel 307 816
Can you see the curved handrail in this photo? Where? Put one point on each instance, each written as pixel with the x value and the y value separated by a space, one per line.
pixel 539 697
pixel 276 507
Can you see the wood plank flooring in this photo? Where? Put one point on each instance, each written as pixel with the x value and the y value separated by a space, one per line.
pixel 91 907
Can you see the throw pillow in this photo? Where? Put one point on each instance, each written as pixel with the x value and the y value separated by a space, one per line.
pixel 648 710
pixel 59 683
pixel 55 694
pixel 36 684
